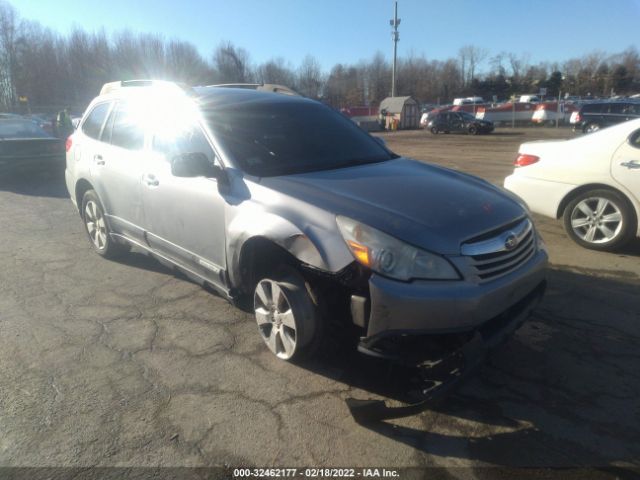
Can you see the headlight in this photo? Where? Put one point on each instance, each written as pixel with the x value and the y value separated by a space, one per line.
pixel 391 257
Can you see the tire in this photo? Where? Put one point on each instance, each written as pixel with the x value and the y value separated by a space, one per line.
pixel 591 127
pixel 473 130
pixel 288 320
pixel 97 227
pixel 600 220
pixel 434 130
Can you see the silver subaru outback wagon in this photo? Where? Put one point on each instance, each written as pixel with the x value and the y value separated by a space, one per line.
pixel 287 208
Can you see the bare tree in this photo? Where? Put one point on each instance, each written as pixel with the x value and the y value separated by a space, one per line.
pixel 276 71
pixel 378 79
pixel 310 79
pixel 471 57
pixel 185 64
pixel 8 54
pixel 232 64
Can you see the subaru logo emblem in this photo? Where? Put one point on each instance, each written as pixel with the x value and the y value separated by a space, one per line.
pixel 511 241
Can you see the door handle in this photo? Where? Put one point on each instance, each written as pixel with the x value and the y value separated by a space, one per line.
pixel 151 180
pixel 631 164
pixel 98 160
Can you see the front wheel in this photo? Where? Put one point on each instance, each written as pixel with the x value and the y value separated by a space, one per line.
pixel 288 321
pixel 434 130
pixel 97 228
pixel 599 220
pixel 473 130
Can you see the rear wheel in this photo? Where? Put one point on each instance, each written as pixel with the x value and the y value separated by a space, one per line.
pixel 288 320
pixel 434 130
pixel 599 220
pixel 97 228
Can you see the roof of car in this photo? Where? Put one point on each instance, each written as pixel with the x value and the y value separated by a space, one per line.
pixel 213 96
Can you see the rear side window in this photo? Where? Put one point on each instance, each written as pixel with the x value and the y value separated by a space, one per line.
pixel 93 124
pixel 616 108
pixel 594 108
pixel 127 130
pixel 634 139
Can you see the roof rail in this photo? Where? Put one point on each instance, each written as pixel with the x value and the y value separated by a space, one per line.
pixel 113 86
pixel 265 87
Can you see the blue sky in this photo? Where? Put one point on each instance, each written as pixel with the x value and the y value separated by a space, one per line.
pixel 350 30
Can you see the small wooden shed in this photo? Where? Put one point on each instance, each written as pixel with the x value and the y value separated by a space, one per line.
pixel 404 109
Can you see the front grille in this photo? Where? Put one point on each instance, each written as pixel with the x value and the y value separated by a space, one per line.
pixel 492 258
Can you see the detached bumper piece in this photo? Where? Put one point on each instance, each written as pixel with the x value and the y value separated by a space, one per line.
pixel 439 377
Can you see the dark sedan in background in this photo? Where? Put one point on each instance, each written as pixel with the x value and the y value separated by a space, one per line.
pixel 459 122
pixel 24 144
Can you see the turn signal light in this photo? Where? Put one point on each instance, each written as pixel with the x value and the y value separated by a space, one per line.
pixel 361 252
pixel 522 160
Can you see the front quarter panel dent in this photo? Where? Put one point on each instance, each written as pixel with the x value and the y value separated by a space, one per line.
pixel 307 248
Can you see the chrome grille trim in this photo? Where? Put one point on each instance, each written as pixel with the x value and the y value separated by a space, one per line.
pixel 497 243
pixel 490 259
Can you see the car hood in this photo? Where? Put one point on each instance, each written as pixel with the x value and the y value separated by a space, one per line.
pixel 428 206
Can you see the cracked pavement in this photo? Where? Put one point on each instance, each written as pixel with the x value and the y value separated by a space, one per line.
pixel 127 364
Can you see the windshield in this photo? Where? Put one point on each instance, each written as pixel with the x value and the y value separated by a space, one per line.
pixel 268 139
pixel 21 129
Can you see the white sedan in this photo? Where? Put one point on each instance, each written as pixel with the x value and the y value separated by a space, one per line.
pixel 592 182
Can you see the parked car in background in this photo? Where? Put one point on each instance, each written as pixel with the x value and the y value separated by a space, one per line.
pixel 591 182
pixel 507 112
pixel 288 208
pixel 44 121
pixel 24 144
pixel 458 122
pixel 468 101
pixel 594 116
pixel 550 112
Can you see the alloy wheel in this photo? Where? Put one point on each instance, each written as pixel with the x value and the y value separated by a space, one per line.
pixel 596 220
pixel 275 318
pixel 96 226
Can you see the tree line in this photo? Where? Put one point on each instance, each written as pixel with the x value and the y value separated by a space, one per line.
pixel 54 70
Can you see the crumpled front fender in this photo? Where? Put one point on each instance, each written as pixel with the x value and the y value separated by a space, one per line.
pixel 311 244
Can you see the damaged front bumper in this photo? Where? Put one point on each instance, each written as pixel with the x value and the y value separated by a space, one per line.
pixel 442 375
pixel 444 331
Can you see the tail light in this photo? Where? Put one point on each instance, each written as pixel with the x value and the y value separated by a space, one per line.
pixel 522 160
pixel 578 117
pixel 68 143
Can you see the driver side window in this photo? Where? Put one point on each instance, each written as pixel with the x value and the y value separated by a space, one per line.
pixel 181 141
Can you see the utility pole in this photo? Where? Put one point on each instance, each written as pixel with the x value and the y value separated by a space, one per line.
pixel 395 36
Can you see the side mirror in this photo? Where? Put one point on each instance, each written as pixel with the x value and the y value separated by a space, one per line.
pixel 381 141
pixel 194 164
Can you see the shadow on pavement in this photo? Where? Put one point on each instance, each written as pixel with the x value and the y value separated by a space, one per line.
pixel 562 393
pixel 39 182
pixel 632 248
